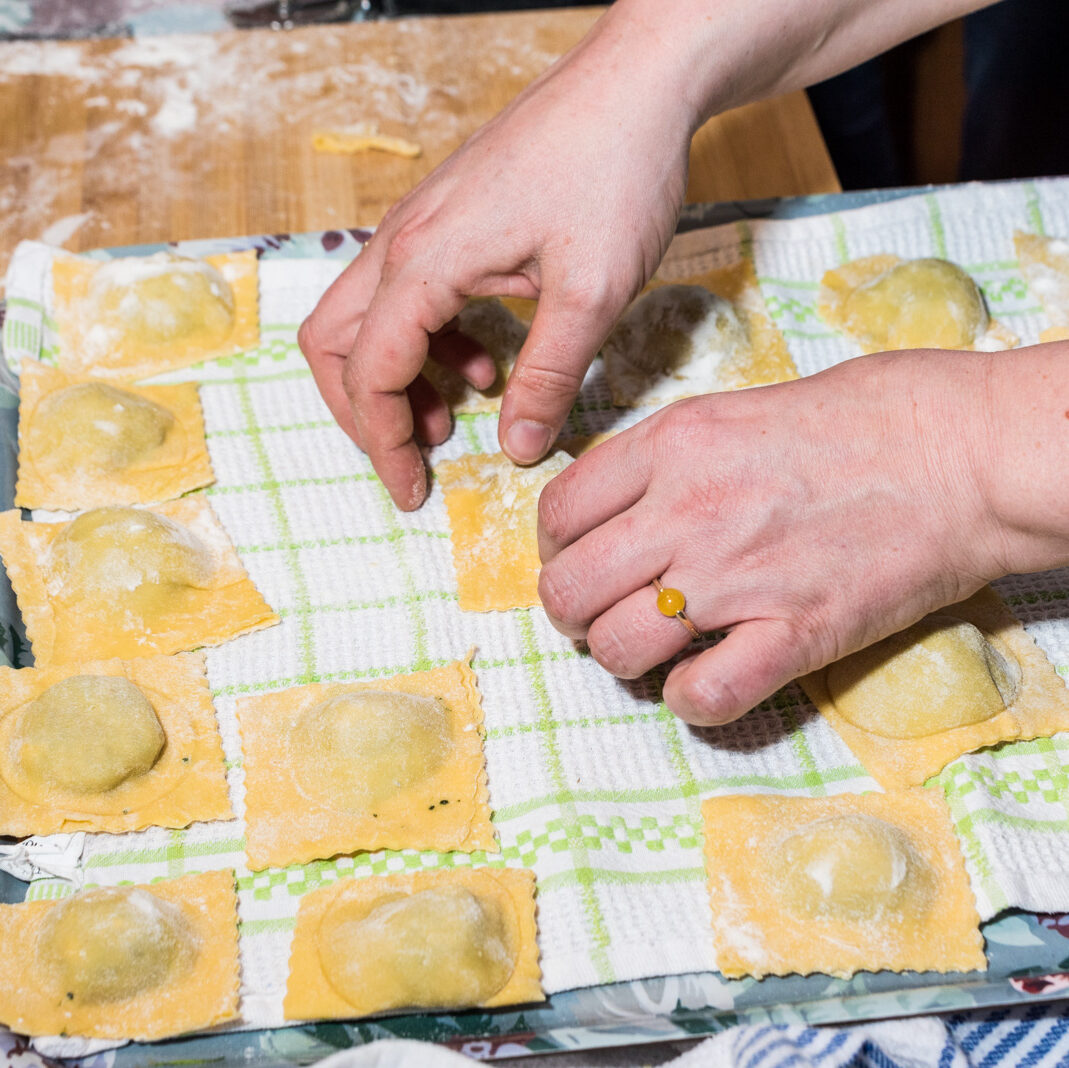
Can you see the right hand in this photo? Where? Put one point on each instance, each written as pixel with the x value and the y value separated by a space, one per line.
pixel 569 196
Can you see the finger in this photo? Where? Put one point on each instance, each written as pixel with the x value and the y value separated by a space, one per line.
pixel 327 335
pixel 390 349
pixel 604 567
pixel 465 356
pixel 569 326
pixel 722 683
pixel 432 420
pixel 633 635
pixel 599 485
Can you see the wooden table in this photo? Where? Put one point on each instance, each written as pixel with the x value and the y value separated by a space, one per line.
pixel 115 142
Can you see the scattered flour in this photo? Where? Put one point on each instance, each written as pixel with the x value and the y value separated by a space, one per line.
pixel 62 230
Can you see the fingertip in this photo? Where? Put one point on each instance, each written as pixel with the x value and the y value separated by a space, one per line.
pixel 700 696
pixel 526 441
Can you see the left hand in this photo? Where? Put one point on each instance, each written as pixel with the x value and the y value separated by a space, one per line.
pixel 808 519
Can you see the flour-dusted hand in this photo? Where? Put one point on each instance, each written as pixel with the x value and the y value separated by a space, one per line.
pixel 569 196
pixel 807 519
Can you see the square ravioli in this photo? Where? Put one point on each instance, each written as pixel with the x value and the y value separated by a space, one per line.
pixel 109 745
pixel 85 443
pixel 125 582
pixel 449 939
pixel 391 764
pixel 136 316
pixel 129 962
pixel 700 335
pixel 838 885
pixel 1045 265
pixel 884 302
pixel 962 678
pixel 493 516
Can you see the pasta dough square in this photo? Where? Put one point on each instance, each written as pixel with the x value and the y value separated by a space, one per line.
pixel 976 688
pixel 493 513
pixel 335 768
pixel 1045 265
pixel 838 885
pixel 884 302
pixel 68 764
pixel 84 443
pixel 182 963
pixel 453 938
pixel 127 582
pixel 136 316
pixel 702 334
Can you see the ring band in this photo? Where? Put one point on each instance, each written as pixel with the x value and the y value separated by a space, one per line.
pixel 671 602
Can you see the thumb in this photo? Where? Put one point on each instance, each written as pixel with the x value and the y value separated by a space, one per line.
pixel 726 681
pixel 568 328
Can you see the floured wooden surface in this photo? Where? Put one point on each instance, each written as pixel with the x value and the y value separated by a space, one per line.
pixel 112 142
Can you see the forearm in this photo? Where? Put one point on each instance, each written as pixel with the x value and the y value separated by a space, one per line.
pixel 710 55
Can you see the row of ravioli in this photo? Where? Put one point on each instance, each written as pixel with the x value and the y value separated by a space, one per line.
pixel 114 728
pixel 304 802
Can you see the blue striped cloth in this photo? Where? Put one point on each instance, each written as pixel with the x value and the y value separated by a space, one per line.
pixel 1034 1036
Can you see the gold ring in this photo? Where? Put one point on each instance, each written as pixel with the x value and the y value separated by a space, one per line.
pixel 671 602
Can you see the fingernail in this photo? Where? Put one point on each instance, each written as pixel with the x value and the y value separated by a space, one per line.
pixel 527 441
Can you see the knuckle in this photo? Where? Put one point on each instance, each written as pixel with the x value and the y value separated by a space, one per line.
pixel 554 512
pixel 547 380
pixel 612 651
pixel 309 336
pixel 558 591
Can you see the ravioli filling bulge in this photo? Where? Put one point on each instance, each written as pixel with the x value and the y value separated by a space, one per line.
pixel 139 560
pixel 936 675
pixel 98 425
pixel 443 947
pixel 164 298
pixel 114 943
pixel 850 868
pixel 922 303
pixel 86 734
pixel 354 750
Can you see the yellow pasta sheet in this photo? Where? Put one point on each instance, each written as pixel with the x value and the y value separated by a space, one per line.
pixel 164 965
pixel 838 885
pixel 446 939
pixel 85 443
pixel 124 582
pixel 922 685
pixel 493 515
pixel 51 790
pixel 335 768
pixel 133 317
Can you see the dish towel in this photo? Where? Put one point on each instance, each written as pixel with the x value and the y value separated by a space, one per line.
pixel 594 783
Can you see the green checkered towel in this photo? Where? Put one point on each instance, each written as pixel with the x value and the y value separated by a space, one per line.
pixel 594 784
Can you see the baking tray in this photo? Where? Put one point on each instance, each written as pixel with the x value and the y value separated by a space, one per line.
pixel 1028 954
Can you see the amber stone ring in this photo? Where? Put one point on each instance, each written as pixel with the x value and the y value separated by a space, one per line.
pixel 671 602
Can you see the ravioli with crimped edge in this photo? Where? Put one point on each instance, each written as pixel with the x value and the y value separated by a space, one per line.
pixel 884 302
pixel 962 678
pixel 85 443
pixel 128 962
pixel 838 885
pixel 126 582
pixel 450 939
pixel 394 763
pixel 135 316
pixel 109 745
pixel 696 335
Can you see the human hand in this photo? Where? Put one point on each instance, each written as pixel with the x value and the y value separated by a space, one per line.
pixel 569 196
pixel 808 519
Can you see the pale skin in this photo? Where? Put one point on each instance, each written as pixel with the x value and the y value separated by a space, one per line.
pixel 808 519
